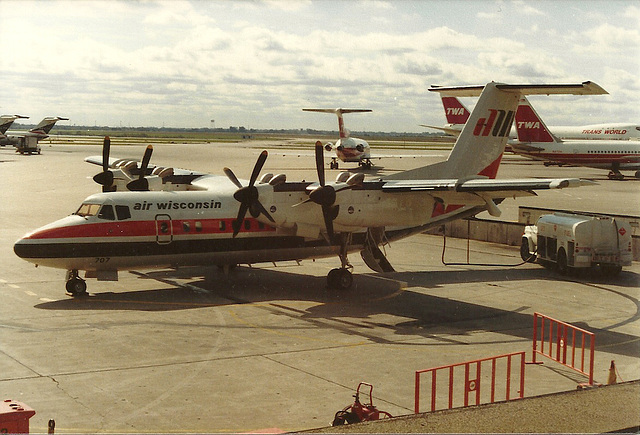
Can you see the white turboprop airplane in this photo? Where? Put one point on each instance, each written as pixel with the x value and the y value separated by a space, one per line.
pixel 457 114
pixel 348 149
pixel 172 217
pixel 537 142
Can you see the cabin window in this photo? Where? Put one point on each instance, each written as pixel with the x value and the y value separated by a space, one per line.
pixel 88 210
pixel 198 226
pixel 123 212
pixel 186 227
pixel 247 224
pixel 222 225
pixel 106 212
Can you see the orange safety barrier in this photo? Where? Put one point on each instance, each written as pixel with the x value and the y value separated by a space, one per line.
pixel 473 380
pixel 564 336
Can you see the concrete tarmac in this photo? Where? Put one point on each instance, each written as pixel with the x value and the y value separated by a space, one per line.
pixel 270 348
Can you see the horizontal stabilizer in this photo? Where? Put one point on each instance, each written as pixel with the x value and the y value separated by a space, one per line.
pixel 338 111
pixel 584 88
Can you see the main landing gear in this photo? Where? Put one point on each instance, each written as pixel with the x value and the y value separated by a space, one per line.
pixel 341 278
pixel 366 164
pixel 76 286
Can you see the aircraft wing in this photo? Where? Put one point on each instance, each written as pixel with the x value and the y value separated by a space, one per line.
pixel 449 130
pixel 481 191
pixel 482 185
pixel 515 146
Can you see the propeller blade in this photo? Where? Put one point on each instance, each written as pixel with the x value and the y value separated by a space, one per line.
pixel 106 148
pixel 320 162
pixel 142 184
pixel 105 178
pixel 263 210
pixel 145 161
pixel 232 177
pixel 258 167
pixel 236 224
pixel 329 214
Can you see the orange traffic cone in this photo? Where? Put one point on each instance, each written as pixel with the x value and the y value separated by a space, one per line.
pixel 612 373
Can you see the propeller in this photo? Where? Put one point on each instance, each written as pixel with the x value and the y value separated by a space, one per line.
pixel 105 178
pixel 324 195
pixel 247 196
pixel 142 184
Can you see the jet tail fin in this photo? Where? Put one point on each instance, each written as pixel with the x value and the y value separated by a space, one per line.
pixel 478 150
pixel 454 110
pixel 47 124
pixel 529 125
pixel 343 132
pixel 7 120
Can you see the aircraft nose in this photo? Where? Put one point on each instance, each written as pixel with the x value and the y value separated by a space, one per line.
pixel 22 248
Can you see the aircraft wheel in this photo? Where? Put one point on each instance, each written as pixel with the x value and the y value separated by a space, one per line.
pixel 563 268
pixel 77 287
pixel 637 174
pixel 340 279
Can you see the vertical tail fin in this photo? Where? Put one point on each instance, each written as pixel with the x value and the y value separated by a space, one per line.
pixel 454 110
pixel 343 131
pixel 529 125
pixel 478 150
pixel 7 120
pixel 47 124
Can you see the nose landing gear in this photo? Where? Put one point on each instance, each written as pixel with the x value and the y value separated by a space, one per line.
pixel 76 286
pixel 341 279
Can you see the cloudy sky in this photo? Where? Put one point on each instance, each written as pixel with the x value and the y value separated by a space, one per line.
pixel 258 63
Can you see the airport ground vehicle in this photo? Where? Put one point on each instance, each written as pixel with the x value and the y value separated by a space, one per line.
pixel 357 412
pixel 572 242
pixel 28 145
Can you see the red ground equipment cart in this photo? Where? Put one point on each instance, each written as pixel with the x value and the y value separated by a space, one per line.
pixel 357 412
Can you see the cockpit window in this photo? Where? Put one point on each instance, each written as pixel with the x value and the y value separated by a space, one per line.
pixel 106 212
pixel 88 210
pixel 123 212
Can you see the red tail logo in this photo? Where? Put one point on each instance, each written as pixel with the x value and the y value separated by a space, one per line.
pixel 497 124
pixel 529 126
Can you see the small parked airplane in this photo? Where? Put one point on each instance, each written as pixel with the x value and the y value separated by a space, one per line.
pixel 457 114
pixel 537 142
pixel 154 217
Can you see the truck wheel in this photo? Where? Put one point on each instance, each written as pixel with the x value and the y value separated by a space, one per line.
pixel 524 252
pixel 610 270
pixel 562 262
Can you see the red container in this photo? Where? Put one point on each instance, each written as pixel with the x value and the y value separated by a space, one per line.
pixel 14 417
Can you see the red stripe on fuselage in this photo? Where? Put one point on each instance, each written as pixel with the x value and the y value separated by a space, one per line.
pixel 147 229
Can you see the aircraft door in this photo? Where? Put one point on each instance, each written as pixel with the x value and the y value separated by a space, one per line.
pixel 164 229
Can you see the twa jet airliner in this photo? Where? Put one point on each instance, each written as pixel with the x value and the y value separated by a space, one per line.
pixel 154 217
pixel 457 114
pixel 537 142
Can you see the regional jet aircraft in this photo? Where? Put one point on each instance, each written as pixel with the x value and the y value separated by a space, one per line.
pixel 537 142
pixel 27 141
pixel 347 148
pixel 154 217
pixel 457 114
